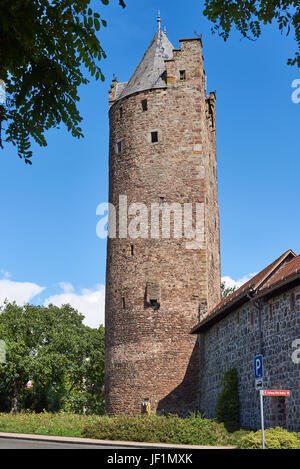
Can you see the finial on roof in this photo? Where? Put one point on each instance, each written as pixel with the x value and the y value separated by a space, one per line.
pixel 158 20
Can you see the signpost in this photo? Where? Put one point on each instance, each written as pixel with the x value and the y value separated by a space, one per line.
pixel 258 367
pixel 258 375
pixel 262 418
pixel 259 384
pixel 276 393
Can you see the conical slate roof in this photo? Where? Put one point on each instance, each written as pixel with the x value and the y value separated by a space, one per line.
pixel 148 74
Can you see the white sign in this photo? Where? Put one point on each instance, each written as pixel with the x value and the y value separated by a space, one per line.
pixel 259 384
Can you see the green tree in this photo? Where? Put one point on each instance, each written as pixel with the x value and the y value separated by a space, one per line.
pixel 226 291
pixel 54 349
pixel 18 330
pixel 249 16
pixel 46 48
pixel 86 395
pixel 227 406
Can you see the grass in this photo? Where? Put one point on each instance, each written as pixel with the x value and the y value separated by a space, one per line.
pixel 194 430
pixel 45 423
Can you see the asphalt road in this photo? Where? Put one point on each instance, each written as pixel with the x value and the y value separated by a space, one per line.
pixel 10 443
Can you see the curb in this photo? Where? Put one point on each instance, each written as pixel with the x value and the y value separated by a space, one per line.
pixel 119 444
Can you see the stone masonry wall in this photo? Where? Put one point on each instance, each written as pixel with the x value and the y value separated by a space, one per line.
pixel 150 354
pixel 234 342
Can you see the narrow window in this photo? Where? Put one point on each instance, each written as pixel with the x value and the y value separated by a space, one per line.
pixel 154 137
pixel 120 147
pixel 271 311
pixel 292 301
pixel 161 201
pixel 132 250
pixel 238 318
pixel 145 105
pixel 182 75
pixel 121 111
pixel 123 302
pixel 252 319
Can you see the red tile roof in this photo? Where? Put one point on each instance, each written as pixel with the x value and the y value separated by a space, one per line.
pixel 287 264
pixel 284 271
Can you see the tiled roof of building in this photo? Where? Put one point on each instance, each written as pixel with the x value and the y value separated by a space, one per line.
pixel 282 268
pixel 148 74
pixel 285 271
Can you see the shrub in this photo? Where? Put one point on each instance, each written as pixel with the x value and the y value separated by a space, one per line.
pixel 193 430
pixel 227 406
pixel 275 438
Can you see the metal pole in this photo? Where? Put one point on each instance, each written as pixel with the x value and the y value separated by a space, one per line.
pixel 262 419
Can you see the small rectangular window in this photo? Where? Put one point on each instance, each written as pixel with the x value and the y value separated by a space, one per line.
pixel 132 250
pixel 292 301
pixel 123 302
pixel 271 312
pixel 251 319
pixel 121 111
pixel 154 137
pixel 161 201
pixel 182 75
pixel 120 147
pixel 145 105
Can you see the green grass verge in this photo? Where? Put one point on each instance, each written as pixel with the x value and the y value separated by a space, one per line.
pixel 194 430
pixel 59 424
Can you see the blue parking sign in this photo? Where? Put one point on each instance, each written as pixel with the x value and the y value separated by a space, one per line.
pixel 258 367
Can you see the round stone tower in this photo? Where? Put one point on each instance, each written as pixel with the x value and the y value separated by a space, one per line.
pixel 162 271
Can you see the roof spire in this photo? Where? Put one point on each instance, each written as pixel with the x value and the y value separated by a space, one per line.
pixel 158 20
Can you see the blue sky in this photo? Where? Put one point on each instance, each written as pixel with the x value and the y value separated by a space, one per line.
pixel 49 248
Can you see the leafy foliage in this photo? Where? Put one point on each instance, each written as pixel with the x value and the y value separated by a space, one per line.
pixel 46 46
pixel 193 430
pixel 227 406
pixel 53 349
pixel 275 438
pixel 248 16
pixel 226 291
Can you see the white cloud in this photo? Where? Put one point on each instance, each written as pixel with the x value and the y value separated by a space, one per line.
pixel 20 292
pixel 67 287
pixel 4 273
pixel 230 283
pixel 88 302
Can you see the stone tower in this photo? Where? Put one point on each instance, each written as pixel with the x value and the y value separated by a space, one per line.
pixel 162 152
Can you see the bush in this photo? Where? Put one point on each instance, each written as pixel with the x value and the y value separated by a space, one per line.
pixel 193 430
pixel 227 406
pixel 275 438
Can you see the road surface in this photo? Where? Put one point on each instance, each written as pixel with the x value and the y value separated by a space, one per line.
pixel 10 443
